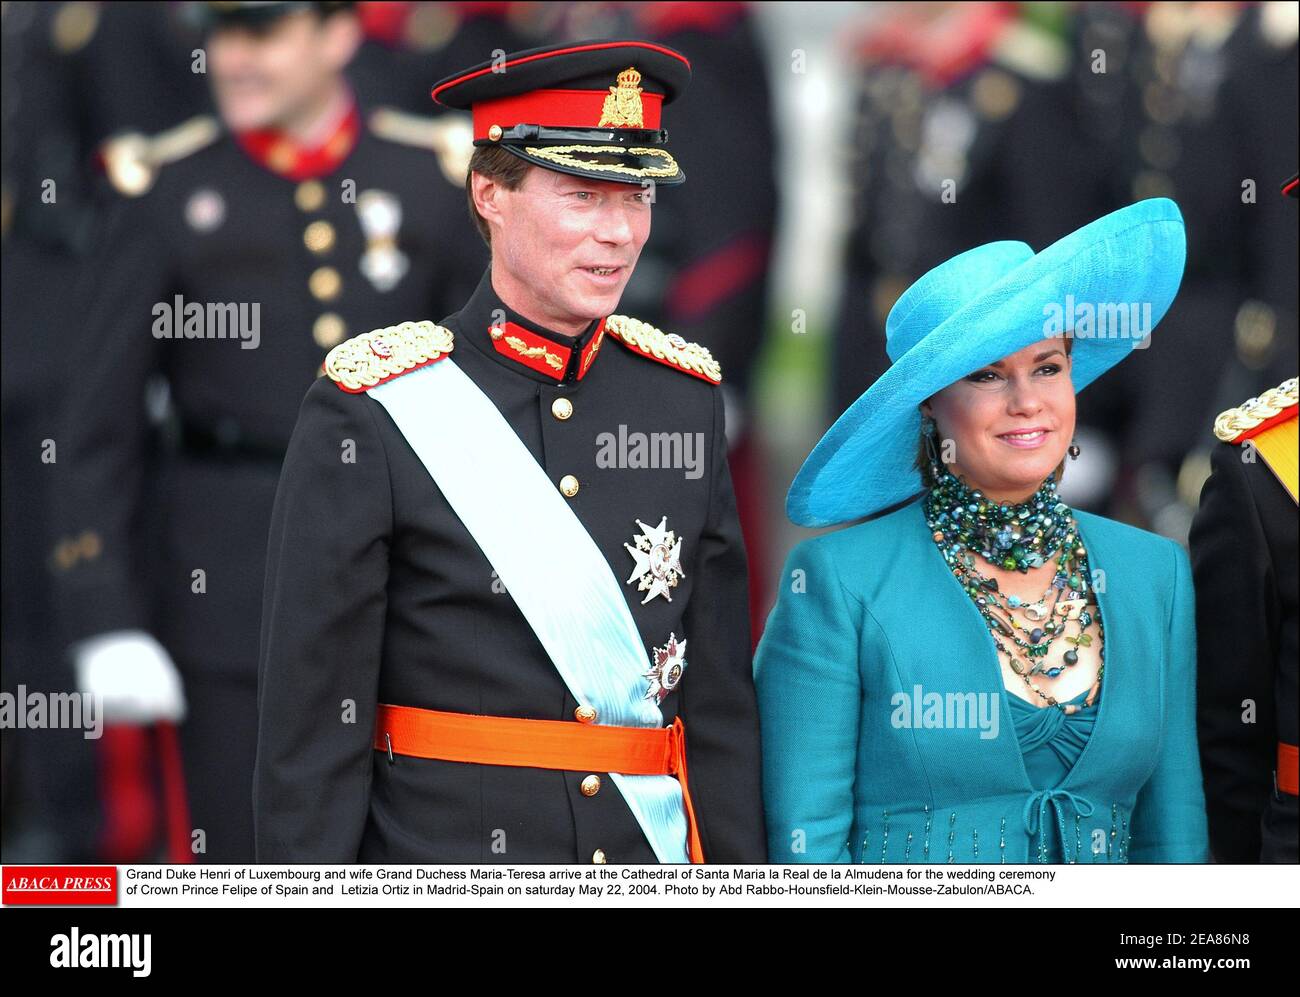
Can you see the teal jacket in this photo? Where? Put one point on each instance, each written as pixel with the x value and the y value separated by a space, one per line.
pixel 869 623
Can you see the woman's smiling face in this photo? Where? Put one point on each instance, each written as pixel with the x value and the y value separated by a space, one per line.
pixel 1007 426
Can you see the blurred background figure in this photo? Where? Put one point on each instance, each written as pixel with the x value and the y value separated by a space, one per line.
pixel 240 248
pixel 841 149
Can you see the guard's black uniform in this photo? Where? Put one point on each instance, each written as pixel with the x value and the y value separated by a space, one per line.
pixel 377 593
pixel 148 509
pixel 1244 546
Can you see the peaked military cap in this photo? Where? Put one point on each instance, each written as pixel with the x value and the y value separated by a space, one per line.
pixel 253 14
pixel 591 109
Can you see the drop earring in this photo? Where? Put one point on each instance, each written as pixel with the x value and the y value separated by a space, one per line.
pixel 928 433
pixel 1073 451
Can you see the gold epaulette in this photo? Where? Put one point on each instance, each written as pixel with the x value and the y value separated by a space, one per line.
pixel 362 362
pixel 1255 415
pixel 667 348
pixel 449 136
pixel 132 160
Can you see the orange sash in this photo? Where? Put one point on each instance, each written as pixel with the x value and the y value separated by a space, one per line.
pixel 541 744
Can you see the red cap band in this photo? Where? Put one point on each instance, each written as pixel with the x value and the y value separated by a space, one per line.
pixel 556 109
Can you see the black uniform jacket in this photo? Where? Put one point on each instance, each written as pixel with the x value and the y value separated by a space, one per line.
pixel 144 511
pixel 377 593
pixel 1244 543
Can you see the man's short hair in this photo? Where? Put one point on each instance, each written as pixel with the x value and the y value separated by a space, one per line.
pixel 497 165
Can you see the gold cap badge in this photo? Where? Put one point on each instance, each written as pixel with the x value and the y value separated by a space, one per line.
pixel 622 108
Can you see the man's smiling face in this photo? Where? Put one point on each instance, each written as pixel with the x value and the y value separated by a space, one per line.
pixel 564 247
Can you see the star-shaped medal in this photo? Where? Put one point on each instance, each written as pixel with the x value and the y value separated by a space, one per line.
pixel 666 668
pixel 658 554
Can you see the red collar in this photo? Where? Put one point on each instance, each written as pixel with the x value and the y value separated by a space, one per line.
pixel 283 155
pixel 541 354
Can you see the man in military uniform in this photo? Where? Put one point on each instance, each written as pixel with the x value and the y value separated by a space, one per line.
pixel 243 252
pixel 1244 545
pixel 505 603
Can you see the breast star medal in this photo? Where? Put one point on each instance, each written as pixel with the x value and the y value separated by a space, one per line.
pixel 658 554
pixel 666 670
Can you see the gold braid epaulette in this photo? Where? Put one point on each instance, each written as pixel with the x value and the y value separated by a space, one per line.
pixel 667 348
pixel 1254 412
pixel 132 161
pixel 362 362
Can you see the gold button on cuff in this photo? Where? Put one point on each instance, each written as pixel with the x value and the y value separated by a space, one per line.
pixel 70 550
pixel 319 237
pixel 328 331
pixel 590 785
pixel 569 486
pixel 561 408
pixel 325 283
pixel 598 857
pixel 585 714
pixel 495 133
pixel 309 196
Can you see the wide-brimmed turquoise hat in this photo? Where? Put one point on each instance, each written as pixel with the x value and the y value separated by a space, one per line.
pixel 980 307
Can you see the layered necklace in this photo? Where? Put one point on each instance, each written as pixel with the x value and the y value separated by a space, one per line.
pixel 964 524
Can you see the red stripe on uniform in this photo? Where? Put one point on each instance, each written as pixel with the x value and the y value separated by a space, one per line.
pixel 703 285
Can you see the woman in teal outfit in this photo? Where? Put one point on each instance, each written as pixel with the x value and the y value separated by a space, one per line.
pixel 984 674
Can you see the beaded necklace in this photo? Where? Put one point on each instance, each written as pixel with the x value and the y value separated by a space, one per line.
pixel 963 522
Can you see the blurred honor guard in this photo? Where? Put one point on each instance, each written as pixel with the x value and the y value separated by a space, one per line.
pixel 506 593
pixel 243 251
pixel 1244 546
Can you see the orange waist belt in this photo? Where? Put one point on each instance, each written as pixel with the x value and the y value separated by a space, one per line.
pixel 540 744
pixel 1288 768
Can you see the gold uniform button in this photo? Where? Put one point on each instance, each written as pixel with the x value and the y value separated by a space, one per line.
pixel 65 555
pixel 598 857
pixel 585 714
pixel 569 486
pixel 328 331
pixel 325 283
pixel 561 408
pixel 73 26
pixel 309 196
pixel 496 332
pixel 281 157
pixel 319 237
pixel 590 785
pixel 494 133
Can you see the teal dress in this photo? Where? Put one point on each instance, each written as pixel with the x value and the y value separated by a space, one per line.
pixel 1050 743
pixel 870 625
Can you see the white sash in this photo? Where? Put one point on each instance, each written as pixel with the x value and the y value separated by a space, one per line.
pixel 558 578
